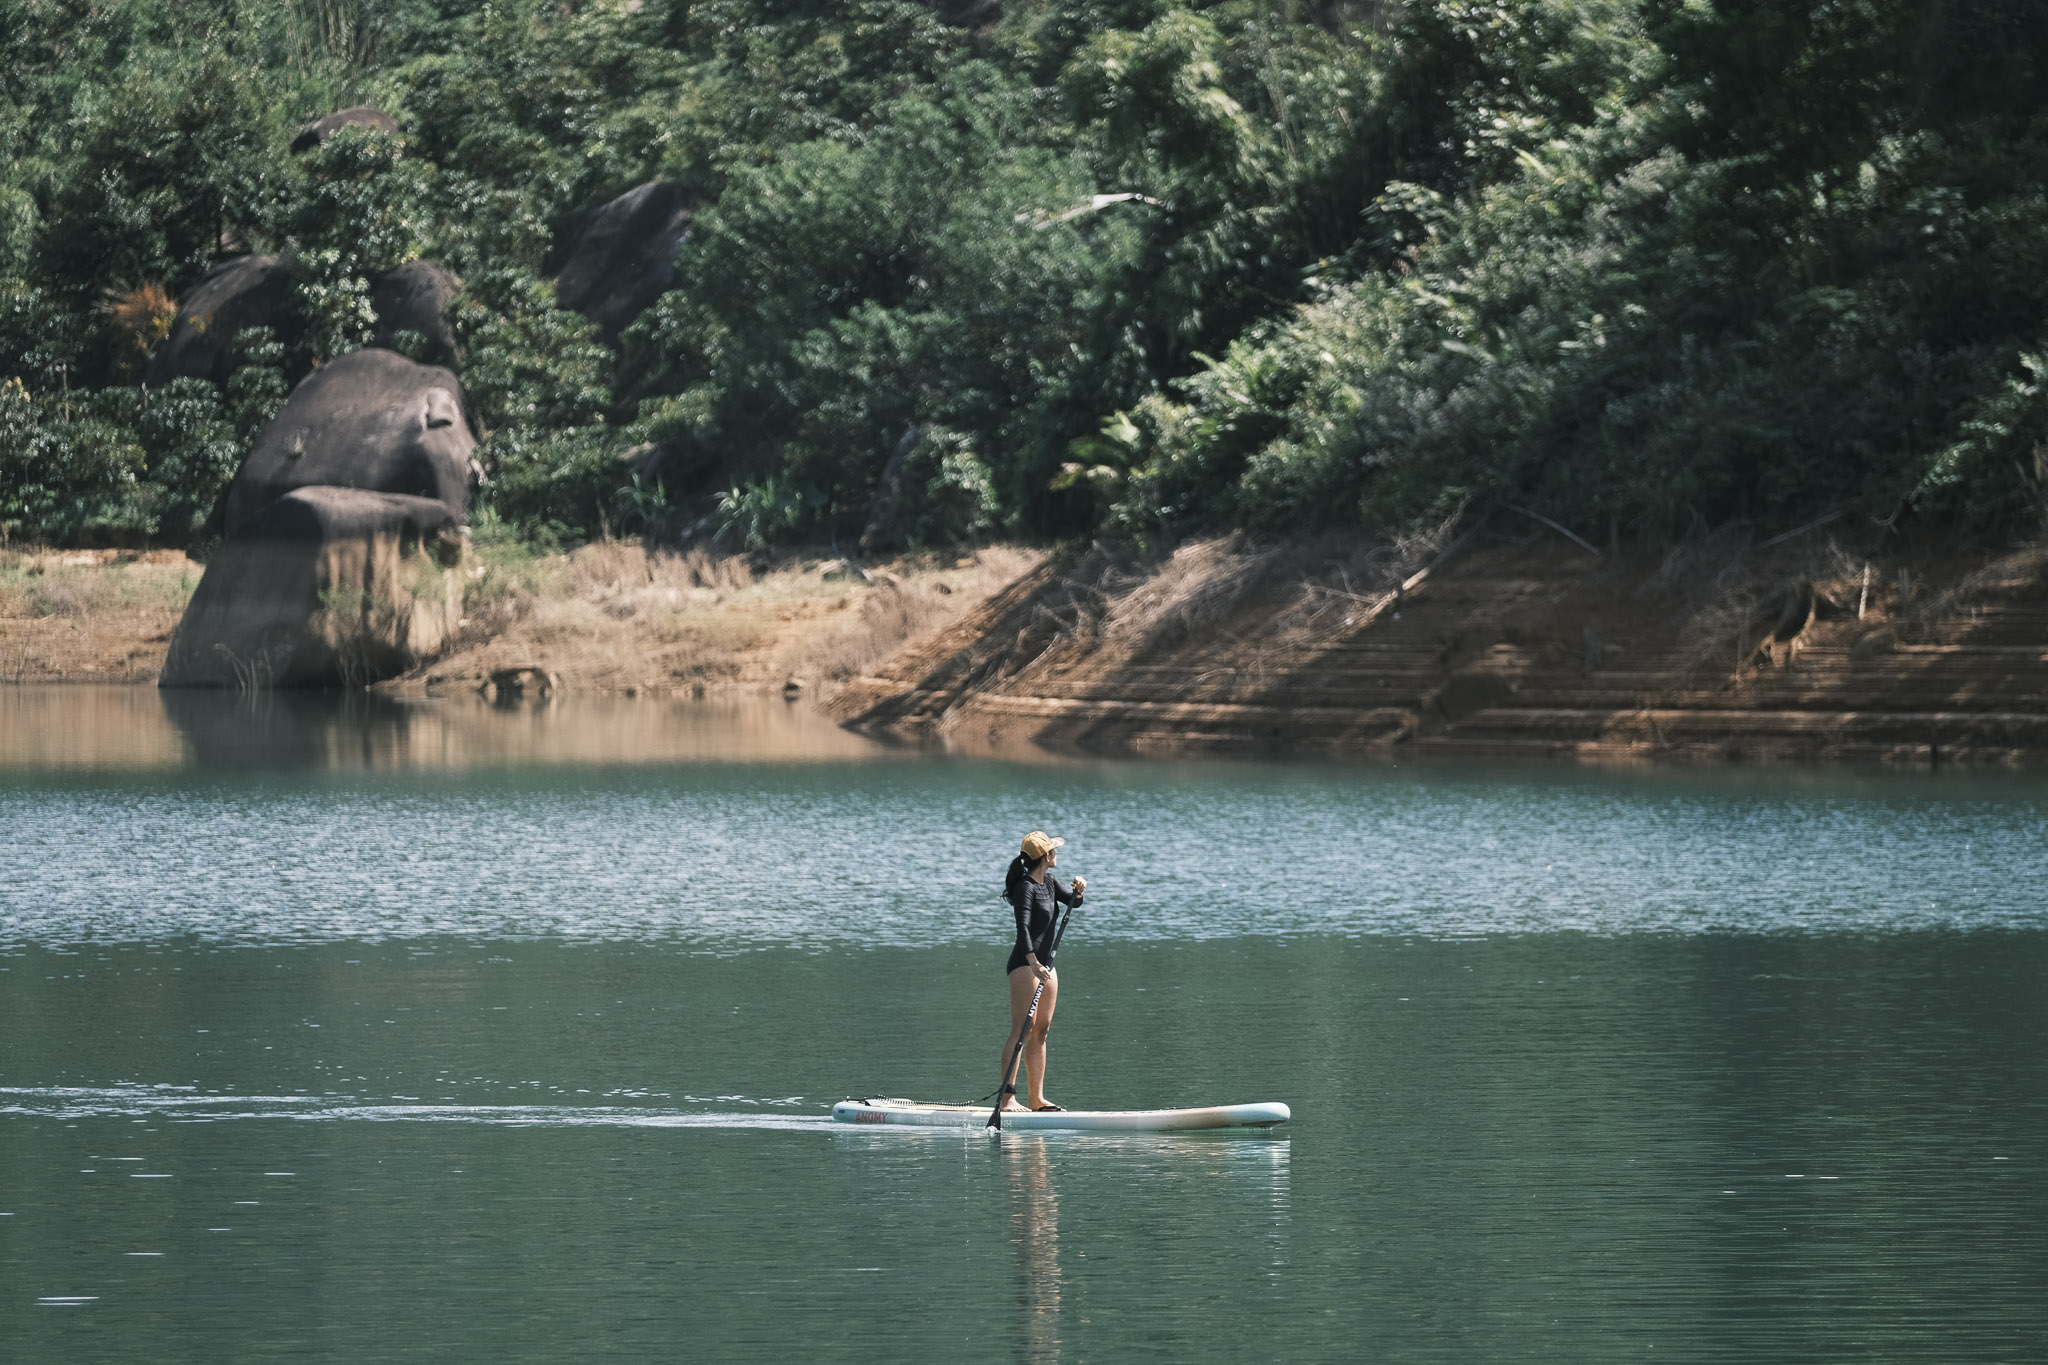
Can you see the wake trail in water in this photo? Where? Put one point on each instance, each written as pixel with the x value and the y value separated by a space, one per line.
pixel 175 1105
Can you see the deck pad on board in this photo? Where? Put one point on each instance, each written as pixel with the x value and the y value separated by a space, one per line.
pixel 911 1113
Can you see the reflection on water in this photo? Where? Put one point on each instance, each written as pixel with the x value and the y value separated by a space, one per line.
pixel 89 727
pixel 1169 1196
pixel 1035 1233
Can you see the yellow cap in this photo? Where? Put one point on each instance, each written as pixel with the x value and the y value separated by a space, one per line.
pixel 1038 843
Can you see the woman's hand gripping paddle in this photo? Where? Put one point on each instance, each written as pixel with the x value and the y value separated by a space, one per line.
pixel 1009 1085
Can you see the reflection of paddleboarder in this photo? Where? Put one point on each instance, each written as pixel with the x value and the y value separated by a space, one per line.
pixel 1035 1233
pixel 1036 895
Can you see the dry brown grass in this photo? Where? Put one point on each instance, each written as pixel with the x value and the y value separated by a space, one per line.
pixel 903 603
pixel 105 615
pixel 139 318
pixel 618 617
pixel 1344 580
pixel 1920 610
pixel 1725 589
pixel 78 583
pixel 1195 591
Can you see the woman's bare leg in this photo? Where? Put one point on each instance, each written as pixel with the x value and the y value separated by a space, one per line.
pixel 1034 1046
pixel 1023 982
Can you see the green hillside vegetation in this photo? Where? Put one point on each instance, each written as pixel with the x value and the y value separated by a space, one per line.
pixel 1066 267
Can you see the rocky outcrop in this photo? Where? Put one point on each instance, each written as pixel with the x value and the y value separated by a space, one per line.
pixel 312 134
pixel 343 535
pixel 256 291
pixel 623 255
pixel 371 420
pixel 414 298
pixel 324 586
pixel 242 291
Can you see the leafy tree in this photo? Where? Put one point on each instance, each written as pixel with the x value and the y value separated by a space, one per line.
pixel 1144 265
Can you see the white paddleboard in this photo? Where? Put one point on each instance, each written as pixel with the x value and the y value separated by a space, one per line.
pixel 912 1114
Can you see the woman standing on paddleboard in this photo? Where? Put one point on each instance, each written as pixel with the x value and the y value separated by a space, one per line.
pixel 1036 895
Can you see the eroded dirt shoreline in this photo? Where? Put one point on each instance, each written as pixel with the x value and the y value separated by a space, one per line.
pixel 1470 642
pixel 1489 644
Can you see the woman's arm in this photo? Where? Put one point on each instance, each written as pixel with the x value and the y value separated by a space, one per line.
pixel 1021 903
pixel 1063 894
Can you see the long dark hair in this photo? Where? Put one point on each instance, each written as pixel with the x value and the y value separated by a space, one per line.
pixel 1020 868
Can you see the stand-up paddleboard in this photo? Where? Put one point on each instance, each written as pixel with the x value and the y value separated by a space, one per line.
pixel 910 1113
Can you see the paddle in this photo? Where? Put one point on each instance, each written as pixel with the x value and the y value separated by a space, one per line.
pixel 1059 931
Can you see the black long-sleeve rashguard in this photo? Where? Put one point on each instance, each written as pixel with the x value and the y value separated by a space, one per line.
pixel 1036 903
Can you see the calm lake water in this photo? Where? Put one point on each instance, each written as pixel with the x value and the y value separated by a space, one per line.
pixel 353 1031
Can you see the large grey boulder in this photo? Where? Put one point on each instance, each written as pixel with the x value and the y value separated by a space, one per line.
pixel 624 256
pixel 341 563
pixel 371 420
pixel 414 298
pixel 323 587
pixel 242 291
pixel 357 116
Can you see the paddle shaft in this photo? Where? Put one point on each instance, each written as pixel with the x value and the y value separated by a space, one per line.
pixel 1059 931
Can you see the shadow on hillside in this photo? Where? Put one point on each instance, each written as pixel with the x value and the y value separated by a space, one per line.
pixel 1515 638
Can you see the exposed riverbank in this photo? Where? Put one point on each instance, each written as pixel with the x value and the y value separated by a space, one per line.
pixel 1474 642
pixel 609 618
pixel 1495 642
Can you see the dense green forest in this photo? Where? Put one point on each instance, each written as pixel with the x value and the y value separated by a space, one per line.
pixel 1050 268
